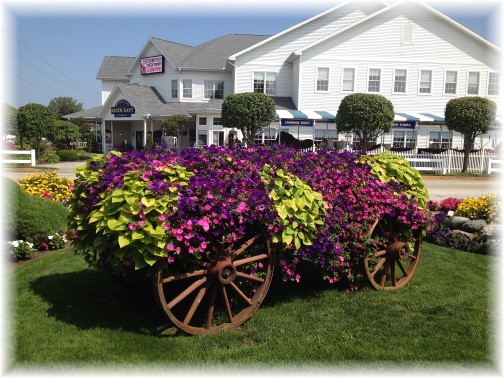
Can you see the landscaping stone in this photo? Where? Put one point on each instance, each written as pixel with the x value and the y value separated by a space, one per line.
pixel 457 234
pixel 475 225
pixel 491 231
pixel 457 222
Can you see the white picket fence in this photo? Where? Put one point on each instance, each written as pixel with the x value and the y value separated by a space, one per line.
pixel 30 153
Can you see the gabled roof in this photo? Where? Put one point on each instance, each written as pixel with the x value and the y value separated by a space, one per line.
pixel 390 8
pixel 212 55
pixel 92 113
pixel 115 68
pixel 297 26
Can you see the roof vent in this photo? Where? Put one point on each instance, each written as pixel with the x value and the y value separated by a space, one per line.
pixel 408 33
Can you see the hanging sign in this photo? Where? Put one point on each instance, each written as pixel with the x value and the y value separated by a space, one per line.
pixel 298 122
pixel 122 109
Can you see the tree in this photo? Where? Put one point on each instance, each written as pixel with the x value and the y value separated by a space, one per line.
pixel 61 106
pixel 64 132
pixel 248 112
pixel 10 120
pixel 367 115
pixel 34 121
pixel 470 116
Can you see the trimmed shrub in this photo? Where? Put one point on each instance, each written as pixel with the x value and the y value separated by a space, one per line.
pixel 29 216
pixel 68 155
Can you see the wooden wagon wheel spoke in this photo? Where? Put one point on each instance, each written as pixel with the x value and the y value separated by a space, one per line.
pixel 204 297
pixel 380 266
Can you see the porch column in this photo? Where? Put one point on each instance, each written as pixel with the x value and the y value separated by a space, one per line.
pixel 103 135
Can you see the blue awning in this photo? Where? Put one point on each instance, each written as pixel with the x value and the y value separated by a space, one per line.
pixel 328 115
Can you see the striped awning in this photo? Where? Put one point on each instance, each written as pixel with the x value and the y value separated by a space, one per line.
pixel 330 115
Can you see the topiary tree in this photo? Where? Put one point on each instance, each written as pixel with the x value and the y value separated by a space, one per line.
pixel 470 116
pixel 248 112
pixel 64 132
pixel 34 121
pixel 367 115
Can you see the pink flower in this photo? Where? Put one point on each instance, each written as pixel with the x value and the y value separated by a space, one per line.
pixel 170 247
pixel 161 218
pixel 171 260
pixel 241 207
pixel 298 277
pixel 141 223
pixel 204 223
pixel 132 227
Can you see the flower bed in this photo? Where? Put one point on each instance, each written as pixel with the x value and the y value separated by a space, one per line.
pixel 133 209
pixel 48 185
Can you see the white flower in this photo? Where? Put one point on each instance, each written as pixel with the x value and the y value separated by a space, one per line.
pixel 450 213
pixel 50 237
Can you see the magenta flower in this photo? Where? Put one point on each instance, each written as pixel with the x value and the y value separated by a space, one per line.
pixel 132 227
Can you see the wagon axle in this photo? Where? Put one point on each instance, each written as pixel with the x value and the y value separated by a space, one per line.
pixel 222 270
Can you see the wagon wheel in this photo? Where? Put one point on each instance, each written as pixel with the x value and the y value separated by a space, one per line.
pixel 216 292
pixel 394 263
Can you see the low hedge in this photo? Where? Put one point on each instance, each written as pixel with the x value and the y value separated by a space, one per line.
pixel 29 217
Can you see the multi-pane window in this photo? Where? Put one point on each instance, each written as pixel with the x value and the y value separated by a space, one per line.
pixel 187 88
pixel 440 139
pixel 450 82
pixel 400 81
pixel 202 121
pixel 374 80
pixel 473 83
pixel 217 121
pixel 214 89
pixel 493 84
pixel 322 79
pixel 265 82
pixel 174 88
pixel 425 85
pixel 348 79
pixel 218 138
pixel 266 136
pixel 202 139
pixel 404 139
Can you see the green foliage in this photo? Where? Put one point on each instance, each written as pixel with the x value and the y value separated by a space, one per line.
pixel 174 124
pixel 49 156
pixel 28 216
pixel 34 121
pixel 61 106
pixel 299 207
pixel 128 221
pixel 470 116
pixel 367 115
pixel 10 123
pixel 64 132
pixel 68 155
pixel 20 249
pixel 248 112
pixel 387 166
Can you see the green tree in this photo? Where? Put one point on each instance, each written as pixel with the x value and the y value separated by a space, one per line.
pixel 10 124
pixel 470 116
pixel 64 132
pixel 367 115
pixel 61 106
pixel 248 112
pixel 34 121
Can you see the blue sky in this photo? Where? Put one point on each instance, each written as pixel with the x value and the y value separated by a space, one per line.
pixel 56 49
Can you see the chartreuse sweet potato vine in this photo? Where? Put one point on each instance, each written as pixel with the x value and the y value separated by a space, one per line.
pixel 299 207
pixel 387 166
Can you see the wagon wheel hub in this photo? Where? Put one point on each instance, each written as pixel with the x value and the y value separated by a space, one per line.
pixel 222 270
pixel 398 250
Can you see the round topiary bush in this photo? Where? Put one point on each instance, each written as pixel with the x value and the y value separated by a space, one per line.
pixel 68 155
pixel 130 210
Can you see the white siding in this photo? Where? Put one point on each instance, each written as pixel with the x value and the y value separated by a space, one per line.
pixel 377 44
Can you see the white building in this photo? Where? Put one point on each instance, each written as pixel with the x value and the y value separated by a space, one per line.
pixel 408 52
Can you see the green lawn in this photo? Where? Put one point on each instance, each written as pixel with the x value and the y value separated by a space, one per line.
pixel 67 316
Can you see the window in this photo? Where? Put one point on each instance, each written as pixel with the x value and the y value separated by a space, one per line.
pixel 493 84
pixel 400 81
pixel 374 80
pixel 450 82
pixel 187 88
pixel 266 136
pixel 202 139
pixel 407 33
pixel 425 85
pixel 217 121
pixel 323 79
pixel 174 88
pixel 214 89
pixel 473 83
pixel 202 121
pixel 265 82
pixel 348 79
pixel 440 139
pixel 404 139
pixel 218 138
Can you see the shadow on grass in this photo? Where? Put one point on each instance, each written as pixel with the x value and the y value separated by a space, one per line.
pixel 91 299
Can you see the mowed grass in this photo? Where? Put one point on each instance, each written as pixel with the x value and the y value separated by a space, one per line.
pixel 65 315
